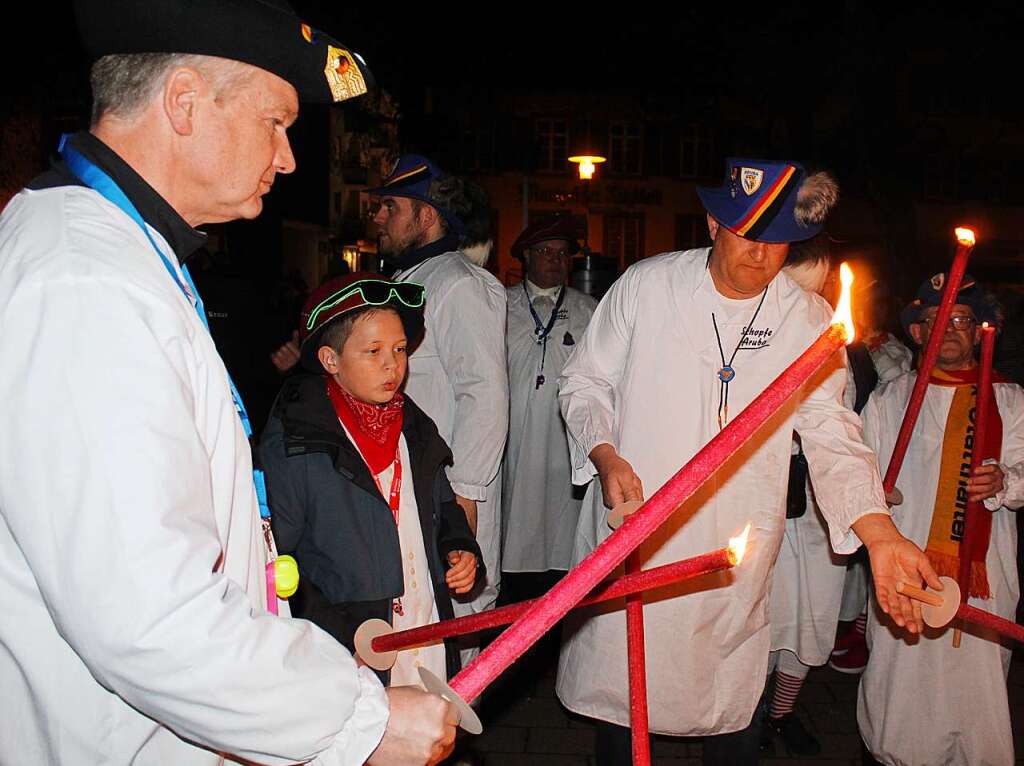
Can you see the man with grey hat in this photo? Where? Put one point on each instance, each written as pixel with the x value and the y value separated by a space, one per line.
pixel 457 374
pixel 139 580
pixel 677 348
pixel 545 319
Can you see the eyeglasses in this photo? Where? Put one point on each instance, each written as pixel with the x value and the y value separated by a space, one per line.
pixel 547 252
pixel 961 322
pixel 374 292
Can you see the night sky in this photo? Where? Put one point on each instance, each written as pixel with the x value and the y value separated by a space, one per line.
pixel 785 58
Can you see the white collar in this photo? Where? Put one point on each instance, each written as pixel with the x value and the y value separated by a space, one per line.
pixel 535 291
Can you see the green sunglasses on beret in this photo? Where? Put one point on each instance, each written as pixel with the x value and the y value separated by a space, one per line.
pixel 374 292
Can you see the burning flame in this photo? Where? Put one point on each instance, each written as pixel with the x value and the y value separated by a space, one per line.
pixel 964 236
pixel 738 546
pixel 844 309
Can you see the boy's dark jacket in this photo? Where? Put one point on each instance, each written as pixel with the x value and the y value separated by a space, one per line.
pixel 327 511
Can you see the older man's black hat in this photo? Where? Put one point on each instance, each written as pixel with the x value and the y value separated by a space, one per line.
pixel 264 33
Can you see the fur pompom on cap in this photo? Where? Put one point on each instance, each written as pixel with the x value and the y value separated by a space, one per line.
pixel 816 196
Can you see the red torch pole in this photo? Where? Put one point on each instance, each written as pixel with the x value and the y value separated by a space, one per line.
pixel 984 619
pixel 635 652
pixel 386 642
pixel 965 240
pixel 940 608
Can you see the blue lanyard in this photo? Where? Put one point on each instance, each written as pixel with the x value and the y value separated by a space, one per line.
pixel 99 181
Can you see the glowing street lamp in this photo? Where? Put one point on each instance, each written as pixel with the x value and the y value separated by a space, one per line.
pixel 587 163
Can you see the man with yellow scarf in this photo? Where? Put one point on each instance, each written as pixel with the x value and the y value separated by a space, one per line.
pixel 921 701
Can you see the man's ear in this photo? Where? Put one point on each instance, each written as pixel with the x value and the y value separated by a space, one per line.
pixel 917 333
pixel 181 93
pixel 712 227
pixel 328 359
pixel 428 216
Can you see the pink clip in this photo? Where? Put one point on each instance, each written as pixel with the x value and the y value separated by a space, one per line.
pixel 271 588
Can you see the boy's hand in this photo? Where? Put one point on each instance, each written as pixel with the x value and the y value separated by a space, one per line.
pixel 469 508
pixel 462 574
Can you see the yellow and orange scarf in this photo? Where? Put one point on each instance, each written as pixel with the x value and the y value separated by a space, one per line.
pixel 952 511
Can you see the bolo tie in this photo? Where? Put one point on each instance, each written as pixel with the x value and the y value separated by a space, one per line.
pixel 542 330
pixel 727 372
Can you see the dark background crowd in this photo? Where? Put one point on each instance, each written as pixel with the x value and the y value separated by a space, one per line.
pixel 906 107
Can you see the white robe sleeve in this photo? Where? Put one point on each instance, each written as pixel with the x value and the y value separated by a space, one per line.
pixel 843 470
pixel 107 492
pixel 470 340
pixel 1012 457
pixel 586 387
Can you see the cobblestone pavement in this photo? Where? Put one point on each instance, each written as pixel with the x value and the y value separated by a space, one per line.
pixel 524 724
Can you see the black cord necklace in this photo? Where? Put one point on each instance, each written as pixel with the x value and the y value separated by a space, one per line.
pixel 726 373
pixel 543 330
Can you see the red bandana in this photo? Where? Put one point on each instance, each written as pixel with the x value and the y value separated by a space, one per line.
pixel 375 427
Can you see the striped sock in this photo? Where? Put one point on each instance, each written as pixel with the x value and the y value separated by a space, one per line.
pixel 787 688
pixel 861 624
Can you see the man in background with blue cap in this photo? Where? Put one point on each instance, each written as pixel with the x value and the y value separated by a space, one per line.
pixel 680 344
pixel 457 374
pixel 133 558
pixel 921 700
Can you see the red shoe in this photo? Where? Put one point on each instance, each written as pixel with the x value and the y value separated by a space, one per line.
pixel 853 660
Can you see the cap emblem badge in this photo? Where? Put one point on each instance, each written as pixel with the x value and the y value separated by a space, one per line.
pixel 750 179
pixel 343 75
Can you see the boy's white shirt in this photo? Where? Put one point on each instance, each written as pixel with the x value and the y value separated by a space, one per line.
pixel 419 607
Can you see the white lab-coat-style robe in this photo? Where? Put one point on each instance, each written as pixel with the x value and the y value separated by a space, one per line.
pixel 131 551
pixel 920 700
pixel 644 379
pixel 539 510
pixel 891 359
pixel 808 583
pixel 458 376
pixel 807 588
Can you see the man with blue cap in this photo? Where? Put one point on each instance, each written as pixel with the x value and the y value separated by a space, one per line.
pixel 140 606
pixel 920 699
pixel 457 374
pixel 680 344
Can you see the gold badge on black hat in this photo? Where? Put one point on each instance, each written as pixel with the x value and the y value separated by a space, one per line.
pixel 343 75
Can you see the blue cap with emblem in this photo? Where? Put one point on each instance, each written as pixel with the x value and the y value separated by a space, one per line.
pixel 770 201
pixel 971 294
pixel 412 176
